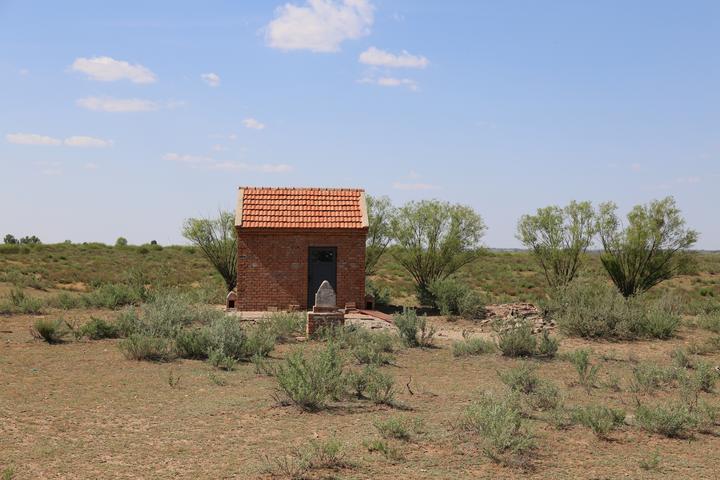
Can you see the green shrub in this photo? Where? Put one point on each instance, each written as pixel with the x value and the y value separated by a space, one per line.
pixel 381 294
pixel 453 297
pixel 374 348
pixel 498 425
pixel 18 302
pixel 194 343
pixel 66 301
pixel 517 340
pixel 228 338
pixel 706 376
pixel 219 359
pixel 394 427
pixel 260 341
pixel 673 421
pixel 522 379
pixel 143 347
pixel 115 295
pixel 587 373
pixel 390 451
pixel 681 359
pixel 51 331
pixel 472 346
pixel 380 387
pixel 598 310
pixel 710 321
pixel 546 397
pixel 286 325
pixel 97 329
pixel 414 330
pixel 311 381
pixel 547 346
pixel 600 419
pixel 648 377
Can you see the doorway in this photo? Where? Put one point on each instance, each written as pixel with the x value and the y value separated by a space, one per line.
pixel 322 265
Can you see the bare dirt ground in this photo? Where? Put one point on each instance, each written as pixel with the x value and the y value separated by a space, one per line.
pixel 81 410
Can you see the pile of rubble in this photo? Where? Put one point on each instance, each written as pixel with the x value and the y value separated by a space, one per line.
pixel 510 314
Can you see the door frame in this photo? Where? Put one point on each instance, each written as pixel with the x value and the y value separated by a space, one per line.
pixel 311 294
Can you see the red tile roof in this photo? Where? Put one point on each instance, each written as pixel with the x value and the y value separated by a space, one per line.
pixel 304 208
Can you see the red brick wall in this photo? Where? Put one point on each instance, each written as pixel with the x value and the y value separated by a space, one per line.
pixel 273 267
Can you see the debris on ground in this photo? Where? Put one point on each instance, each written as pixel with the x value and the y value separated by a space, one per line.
pixel 510 314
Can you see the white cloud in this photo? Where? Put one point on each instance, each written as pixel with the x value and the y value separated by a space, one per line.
pixel 196 161
pixel 635 167
pixel 75 141
pixel 23 72
pixel 190 159
pixel 107 69
pixel 31 139
pixel 380 58
pixel 87 142
pixel 319 25
pixel 252 167
pixel 115 105
pixel 211 79
pixel 219 148
pixel 688 180
pixel 414 186
pixel 392 82
pixel 252 123
pixel 91 166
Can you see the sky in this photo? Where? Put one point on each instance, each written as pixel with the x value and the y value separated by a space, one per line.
pixel 123 118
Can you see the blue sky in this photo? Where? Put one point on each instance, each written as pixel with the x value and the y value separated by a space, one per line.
pixel 124 118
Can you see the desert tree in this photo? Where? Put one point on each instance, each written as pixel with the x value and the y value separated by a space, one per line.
pixel 558 237
pixel 30 240
pixel 434 240
pixel 216 238
pixel 10 239
pixel 381 214
pixel 121 242
pixel 649 249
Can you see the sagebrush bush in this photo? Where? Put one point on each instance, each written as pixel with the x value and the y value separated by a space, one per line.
pixel 648 377
pixel 472 346
pixel 228 338
pixel 517 340
pixel 673 421
pixel 115 295
pixel 65 301
pixel 310 381
pixel 547 346
pixel 285 325
pixel 598 310
pixel 194 343
pixel 454 297
pixel 587 373
pixel 522 379
pixel 51 331
pixel 380 387
pixel 374 348
pixel 97 329
pixel 498 426
pixel 394 427
pixel 710 321
pixel 599 418
pixel 414 331
pixel 143 347
pixel 18 302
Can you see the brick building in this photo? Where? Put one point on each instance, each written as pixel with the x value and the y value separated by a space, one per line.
pixel 291 239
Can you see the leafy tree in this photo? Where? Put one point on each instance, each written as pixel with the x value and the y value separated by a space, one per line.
pixel 434 240
pixel 10 239
pixel 121 242
pixel 380 217
pixel 650 249
pixel 558 237
pixel 31 240
pixel 216 239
